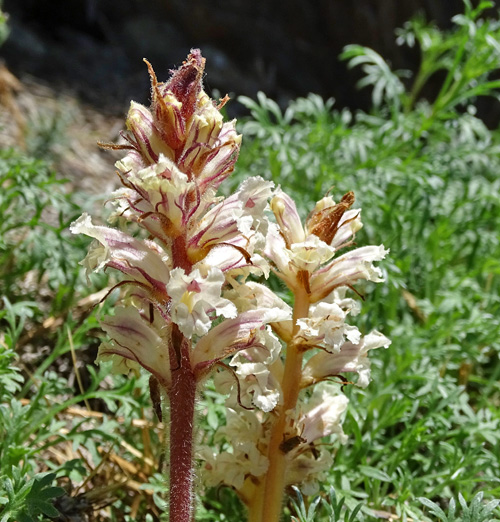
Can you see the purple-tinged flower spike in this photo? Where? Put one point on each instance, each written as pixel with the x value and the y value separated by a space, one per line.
pixel 182 131
pixel 179 150
pixel 198 242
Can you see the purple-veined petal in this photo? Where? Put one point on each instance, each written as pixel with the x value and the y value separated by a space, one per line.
pixel 147 137
pixel 226 338
pixel 346 270
pixel 350 358
pixel 220 224
pixel 143 260
pixel 134 338
pixel 166 189
pixel 201 134
pixel 233 259
pixel 255 296
pixel 254 193
pixel 277 251
pixel 238 220
pixel 219 162
pixel 287 217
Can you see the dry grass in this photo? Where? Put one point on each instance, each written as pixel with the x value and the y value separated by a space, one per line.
pixel 29 109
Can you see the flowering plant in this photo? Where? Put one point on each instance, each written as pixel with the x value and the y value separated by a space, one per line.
pixel 189 304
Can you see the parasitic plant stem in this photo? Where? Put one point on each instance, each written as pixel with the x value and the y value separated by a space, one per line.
pixel 182 397
pixel 268 500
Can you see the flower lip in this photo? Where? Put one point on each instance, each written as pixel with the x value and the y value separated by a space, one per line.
pixel 196 299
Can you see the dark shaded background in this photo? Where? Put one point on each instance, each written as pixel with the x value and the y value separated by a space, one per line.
pixel 286 48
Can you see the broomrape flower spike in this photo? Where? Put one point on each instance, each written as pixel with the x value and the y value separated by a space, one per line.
pixel 187 305
pixel 311 260
pixel 178 152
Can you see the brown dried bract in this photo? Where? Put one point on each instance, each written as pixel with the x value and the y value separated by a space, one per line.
pixel 325 223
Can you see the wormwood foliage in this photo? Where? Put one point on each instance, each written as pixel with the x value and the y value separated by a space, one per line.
pixel 39 279
pixel 424 437
pixel 34 246
pixel 476 511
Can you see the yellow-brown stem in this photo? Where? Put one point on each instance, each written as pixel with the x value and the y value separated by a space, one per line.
pixel 266 505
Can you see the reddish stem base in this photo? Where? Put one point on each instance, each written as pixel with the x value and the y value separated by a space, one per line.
pixel 182 402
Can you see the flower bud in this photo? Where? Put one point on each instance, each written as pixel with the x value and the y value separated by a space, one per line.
pixel 288 218
pixel 147 139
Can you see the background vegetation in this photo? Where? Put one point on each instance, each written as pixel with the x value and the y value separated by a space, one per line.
pixel 424 437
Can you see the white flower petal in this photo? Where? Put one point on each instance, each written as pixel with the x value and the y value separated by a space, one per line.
pixel 195 298
pixel 143 260
pixel 350 358
pixel 287 217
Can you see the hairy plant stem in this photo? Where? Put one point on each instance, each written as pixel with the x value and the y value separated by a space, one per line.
pixel 182 397
pixel 266 505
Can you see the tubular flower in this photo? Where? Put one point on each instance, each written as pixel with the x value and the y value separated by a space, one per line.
pixel 307 463
pixel 135 340
pixel 350 358
pixel 142 260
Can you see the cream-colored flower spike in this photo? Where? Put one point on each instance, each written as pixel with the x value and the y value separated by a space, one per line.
pixel 309 260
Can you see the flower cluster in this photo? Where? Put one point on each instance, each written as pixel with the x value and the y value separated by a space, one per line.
pixel 189 305
pixel 306 258
pixel 178 153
